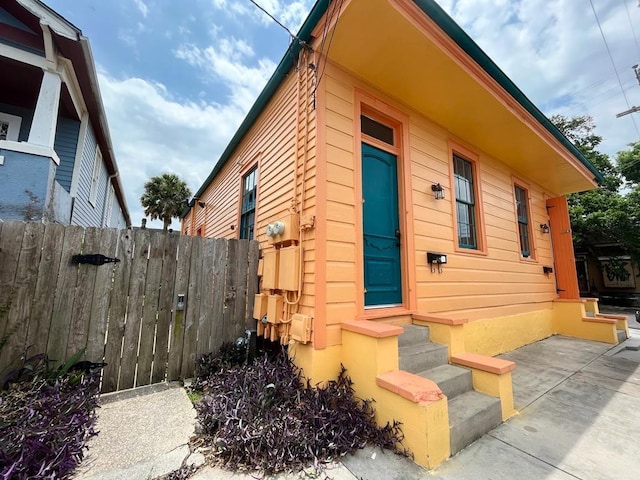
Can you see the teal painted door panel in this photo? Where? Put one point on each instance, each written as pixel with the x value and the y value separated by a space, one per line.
pixel 381 227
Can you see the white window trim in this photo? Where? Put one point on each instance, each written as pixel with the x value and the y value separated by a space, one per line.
pixel 95 176
pixel 14 122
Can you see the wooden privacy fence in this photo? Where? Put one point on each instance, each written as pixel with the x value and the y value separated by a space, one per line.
pixel 125 313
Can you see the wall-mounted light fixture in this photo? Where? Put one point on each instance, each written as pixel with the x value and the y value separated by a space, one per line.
pixel 438 191
pixel 544 228
pixel 547 270
pixel 202 204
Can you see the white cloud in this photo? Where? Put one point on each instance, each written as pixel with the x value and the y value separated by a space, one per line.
pixel 290 13
pixel 144 10
pixel 225 62
pixel 155 133
pixel 557 57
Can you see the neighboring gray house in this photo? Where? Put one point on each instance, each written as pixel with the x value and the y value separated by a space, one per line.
pixel 56 159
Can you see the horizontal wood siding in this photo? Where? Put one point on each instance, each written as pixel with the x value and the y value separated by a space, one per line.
pixel 271 145
pixel 84 213
pixel 65 144
pixel 471 285
pixel 341 233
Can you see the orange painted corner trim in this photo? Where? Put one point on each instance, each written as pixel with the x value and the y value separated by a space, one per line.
pixel 483 362
pixel 439 319
pixel 372 329
pixel 410 386
pixel 611 321
pixel 609 315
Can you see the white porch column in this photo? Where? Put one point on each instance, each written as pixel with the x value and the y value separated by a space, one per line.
pixel 45 118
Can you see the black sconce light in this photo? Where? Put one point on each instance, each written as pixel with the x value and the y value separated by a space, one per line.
pixel 547 270
pixel 438 191
pixel 544 228
pixel 202 204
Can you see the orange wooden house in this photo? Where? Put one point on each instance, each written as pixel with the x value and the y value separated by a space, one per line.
pixel 394 175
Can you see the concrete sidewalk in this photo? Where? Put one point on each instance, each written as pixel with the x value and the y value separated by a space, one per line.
pixel 578 416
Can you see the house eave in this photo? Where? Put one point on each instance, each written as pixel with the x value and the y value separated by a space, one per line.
pixel 451 29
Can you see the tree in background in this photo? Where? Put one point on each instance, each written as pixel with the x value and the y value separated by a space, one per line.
pixel 611 212
pixel 165 197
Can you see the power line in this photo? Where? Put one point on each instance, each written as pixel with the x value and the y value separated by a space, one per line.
pixel 604 39
pixel 277 21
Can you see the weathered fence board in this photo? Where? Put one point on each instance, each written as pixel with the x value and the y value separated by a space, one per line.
pixel 101 292
pixel 65 294
pixel 45 293
pixel 165 308
pixel 23 289
pixel 117 312
pixel 124 313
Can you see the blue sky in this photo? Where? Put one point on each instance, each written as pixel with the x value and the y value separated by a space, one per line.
pixel 177 77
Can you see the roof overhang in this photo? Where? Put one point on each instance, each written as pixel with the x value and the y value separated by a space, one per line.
pixel 414 52
pixel 439 71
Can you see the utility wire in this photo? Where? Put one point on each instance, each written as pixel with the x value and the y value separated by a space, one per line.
pixel 604 39
pixel 335 13
pixel 277 21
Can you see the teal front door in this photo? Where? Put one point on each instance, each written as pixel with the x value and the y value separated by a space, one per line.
pixel 381 228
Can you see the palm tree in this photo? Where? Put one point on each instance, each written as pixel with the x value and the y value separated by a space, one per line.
pixel 165 196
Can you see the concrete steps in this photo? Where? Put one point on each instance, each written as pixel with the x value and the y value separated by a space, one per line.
pixel 622 335
pixel 471 414
pixel 452 380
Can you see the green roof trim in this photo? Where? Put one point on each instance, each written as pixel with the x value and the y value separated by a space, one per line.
pixel 447 24
pixel 278 77
pixel 471 48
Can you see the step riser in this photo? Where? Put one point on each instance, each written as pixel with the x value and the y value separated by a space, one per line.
pixel 422 361
pixel 457 385
pixel 413 335
pixel 622 336
pixel 452 380
pixel 472 428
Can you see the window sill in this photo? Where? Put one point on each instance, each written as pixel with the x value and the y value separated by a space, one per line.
pixel 31 149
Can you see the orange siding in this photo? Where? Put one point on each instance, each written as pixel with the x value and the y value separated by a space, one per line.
pixel 271 145
pixel 472 286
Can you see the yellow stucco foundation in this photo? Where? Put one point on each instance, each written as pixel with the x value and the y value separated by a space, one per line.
pixel 319 366
pixel 495 385
pixel 425 424
pixel 498 335
pixel 450 335
pixel 570 319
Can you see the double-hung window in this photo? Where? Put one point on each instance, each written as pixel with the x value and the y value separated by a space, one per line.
pixel 522 212
pixel 248 212
pixel 465 203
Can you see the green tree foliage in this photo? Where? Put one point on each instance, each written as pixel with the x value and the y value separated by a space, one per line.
pixel 606 214
pixel 165 197
pixel 629 163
